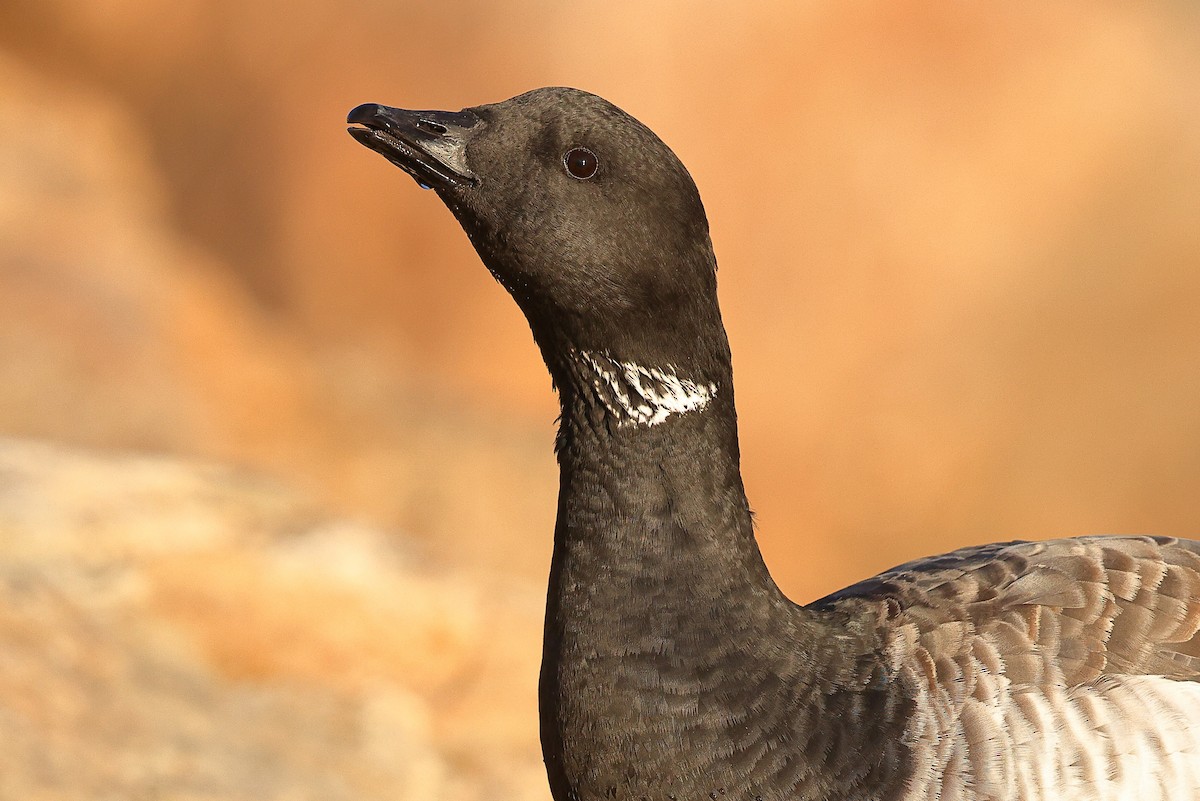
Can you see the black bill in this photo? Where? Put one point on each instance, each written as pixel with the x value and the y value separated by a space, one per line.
pixel 428 145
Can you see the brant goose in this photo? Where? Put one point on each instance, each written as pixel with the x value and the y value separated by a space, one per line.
pixel 674 669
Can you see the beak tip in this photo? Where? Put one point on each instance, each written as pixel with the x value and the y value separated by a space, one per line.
pixel 363 113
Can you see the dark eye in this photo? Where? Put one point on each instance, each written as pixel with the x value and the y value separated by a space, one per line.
pixel 581 163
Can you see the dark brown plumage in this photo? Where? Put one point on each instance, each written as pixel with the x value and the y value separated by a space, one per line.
pixel 674 669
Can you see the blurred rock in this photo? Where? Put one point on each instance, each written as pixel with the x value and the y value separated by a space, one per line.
pixel 113 331
pixel 183 631
pixel 180 630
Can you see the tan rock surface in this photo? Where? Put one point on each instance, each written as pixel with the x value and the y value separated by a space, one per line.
pixel 180 630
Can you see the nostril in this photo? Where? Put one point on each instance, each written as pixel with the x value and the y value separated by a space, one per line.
pixel 431 127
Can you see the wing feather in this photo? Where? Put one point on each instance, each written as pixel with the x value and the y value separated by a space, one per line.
pixel 1067 669
pixel 1123 605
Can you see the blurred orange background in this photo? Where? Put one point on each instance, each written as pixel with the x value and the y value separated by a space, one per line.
pixel 958 245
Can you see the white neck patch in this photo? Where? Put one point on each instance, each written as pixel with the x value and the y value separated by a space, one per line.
pixel 638 395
